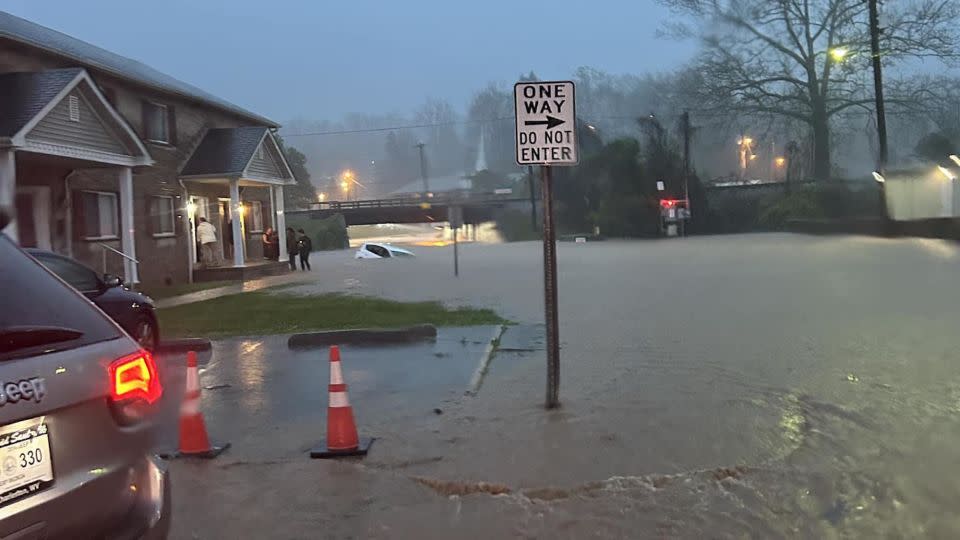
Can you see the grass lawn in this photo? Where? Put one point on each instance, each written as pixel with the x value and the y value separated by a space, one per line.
pixel 260 312
pixel 169 291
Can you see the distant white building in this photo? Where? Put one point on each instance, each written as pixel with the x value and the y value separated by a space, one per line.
pixel 436 184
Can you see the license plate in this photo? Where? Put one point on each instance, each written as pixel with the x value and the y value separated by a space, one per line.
pixel 26 466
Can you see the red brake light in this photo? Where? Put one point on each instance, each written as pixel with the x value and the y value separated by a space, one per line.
pixel 135 377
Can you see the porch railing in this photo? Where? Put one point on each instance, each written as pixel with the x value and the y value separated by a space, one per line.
pixel 117 251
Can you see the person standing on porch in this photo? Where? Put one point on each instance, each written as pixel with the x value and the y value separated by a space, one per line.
pixel 292 247
pixel 305 247
pixel 207 237
pixel 270 245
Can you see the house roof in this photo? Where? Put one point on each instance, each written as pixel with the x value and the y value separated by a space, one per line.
pixel 41 37
pixel 224 151
pixel 26 94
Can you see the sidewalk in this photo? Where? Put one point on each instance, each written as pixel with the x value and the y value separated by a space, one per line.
pixel 238 287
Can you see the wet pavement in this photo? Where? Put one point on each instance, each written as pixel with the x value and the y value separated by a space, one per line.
pixel 758 385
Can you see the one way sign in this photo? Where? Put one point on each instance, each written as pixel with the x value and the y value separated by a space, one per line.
pixel 546 123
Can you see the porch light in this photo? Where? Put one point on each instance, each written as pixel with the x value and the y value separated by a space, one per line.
pixel 241 210
pixel 191 208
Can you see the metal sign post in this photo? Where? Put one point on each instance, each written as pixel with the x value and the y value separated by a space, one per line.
pixel 550 289
pixel 455 219
pixel 547 136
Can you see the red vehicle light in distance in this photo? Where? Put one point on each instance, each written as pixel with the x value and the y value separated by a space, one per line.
pixel 670 203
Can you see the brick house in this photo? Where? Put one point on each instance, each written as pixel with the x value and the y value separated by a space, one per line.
pixel 109 161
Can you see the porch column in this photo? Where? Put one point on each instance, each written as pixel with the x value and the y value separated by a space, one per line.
pixel 273 209
pixel 8 189
pixel 281 220
pixel 127 241
pixel 239 242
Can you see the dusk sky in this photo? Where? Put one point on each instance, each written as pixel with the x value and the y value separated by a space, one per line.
pixel 290 59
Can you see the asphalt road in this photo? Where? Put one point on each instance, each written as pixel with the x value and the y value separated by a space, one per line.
pixel 730 386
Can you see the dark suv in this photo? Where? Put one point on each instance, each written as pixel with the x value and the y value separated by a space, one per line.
pixel 132 310
pixel 78 415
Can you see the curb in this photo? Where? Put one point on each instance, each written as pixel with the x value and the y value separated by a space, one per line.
pixel 422 332
pixel 477 379
pixel 183 345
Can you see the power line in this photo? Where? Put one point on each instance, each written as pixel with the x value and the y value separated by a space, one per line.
pixel 700 114
pixel 394 128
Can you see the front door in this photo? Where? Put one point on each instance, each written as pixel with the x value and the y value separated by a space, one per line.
pixel 198 209
pixel 33 216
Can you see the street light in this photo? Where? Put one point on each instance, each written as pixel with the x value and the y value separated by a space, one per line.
pixel 946 173
pixel 955 159
pixel 879 177
pixel 838 53
pixel 780 162
pixel 322 196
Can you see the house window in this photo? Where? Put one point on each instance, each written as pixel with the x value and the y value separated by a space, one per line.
pixel 73 103
pixel 99 215
pixel 162 216
pixel 254 217
pixel 156 122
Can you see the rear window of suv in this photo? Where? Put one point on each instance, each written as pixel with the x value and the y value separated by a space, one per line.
pixel 33 299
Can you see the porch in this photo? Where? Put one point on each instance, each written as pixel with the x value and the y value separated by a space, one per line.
pixel 234 181
pixel 251 270
pixel 57 129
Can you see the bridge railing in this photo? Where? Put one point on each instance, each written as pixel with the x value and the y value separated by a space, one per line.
pixel 438 199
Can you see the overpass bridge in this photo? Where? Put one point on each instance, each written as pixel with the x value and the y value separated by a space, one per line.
pixel 476 209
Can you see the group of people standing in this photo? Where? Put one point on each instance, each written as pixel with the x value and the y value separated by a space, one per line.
pixel 296 245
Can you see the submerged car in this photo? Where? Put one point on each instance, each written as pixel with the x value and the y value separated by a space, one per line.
pixel 132 310
pixel 79 417
pixel 370 250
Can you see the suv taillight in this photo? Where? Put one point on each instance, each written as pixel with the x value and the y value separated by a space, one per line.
pixel 134 385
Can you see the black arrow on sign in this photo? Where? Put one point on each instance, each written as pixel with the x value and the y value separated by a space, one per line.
pixel 550 122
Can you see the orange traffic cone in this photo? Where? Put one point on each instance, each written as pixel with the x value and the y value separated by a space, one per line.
pixel 342 440
pixel 193 430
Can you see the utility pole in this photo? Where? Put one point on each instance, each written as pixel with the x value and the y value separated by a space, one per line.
pixel 878 83
pixel 686 167
pixel 423 167
pixel 533 200
pixel 881 114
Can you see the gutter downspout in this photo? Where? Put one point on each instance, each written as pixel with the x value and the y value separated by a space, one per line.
pixel 68 200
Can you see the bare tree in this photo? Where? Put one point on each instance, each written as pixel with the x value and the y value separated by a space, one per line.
pixel 808 60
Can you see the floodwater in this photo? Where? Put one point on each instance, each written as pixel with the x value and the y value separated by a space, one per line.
pixel 742 386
